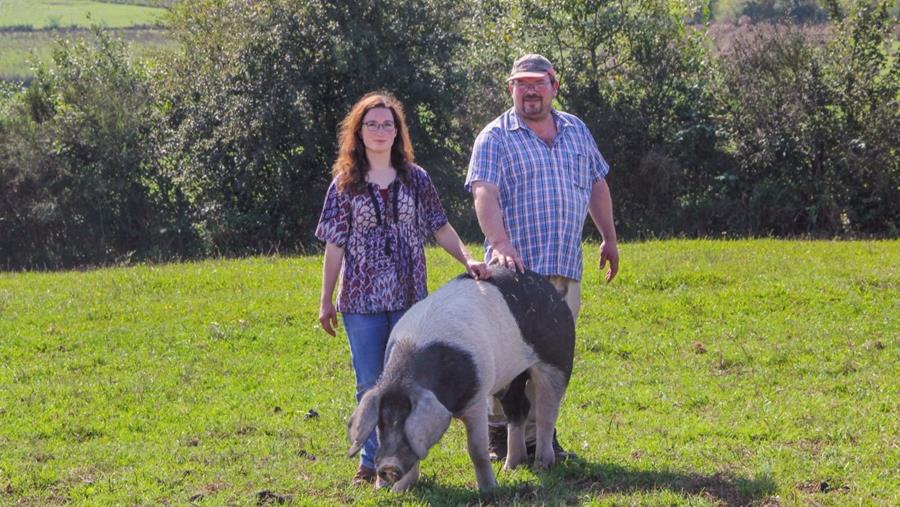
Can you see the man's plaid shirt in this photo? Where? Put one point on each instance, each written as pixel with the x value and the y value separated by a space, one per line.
pixel 544 190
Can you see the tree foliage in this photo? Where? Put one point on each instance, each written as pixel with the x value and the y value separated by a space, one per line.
pixel 224 144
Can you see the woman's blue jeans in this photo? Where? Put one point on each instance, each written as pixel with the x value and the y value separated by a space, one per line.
pixel 368 335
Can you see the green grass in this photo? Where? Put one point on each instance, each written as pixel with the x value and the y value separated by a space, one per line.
pixel 80 13
pixel 732 373
pixel 19 50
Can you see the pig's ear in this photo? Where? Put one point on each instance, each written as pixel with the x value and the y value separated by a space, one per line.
pixel 363 420
pixel 426 423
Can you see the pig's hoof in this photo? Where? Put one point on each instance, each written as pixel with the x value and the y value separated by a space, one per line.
pixel 510 465
pixel 544 463
pixel 488 486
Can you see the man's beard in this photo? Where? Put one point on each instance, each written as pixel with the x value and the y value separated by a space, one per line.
pixel 533 109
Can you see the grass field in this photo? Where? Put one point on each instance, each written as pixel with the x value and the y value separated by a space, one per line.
pixel 41 20
pixel 19 49
pixel 81 13
pixel 708 373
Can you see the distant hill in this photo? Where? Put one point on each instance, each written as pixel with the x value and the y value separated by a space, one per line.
pixel 802 11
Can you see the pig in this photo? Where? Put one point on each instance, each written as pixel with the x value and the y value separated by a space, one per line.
pixel 469 340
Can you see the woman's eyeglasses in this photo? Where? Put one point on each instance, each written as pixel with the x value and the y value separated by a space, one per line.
pixel 374 126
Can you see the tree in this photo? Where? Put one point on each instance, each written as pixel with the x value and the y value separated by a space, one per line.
pixel 257 92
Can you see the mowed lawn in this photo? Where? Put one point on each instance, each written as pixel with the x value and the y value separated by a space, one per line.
pixel 755 372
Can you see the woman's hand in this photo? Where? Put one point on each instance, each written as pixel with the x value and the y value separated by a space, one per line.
pixel 477 269
pixel 331 267
pixel 448 239
pixel 328 317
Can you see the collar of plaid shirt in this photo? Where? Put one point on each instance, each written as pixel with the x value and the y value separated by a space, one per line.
pixel 515 122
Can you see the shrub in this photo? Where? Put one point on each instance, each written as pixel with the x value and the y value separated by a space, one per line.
pixel 813 130
pixel 76 169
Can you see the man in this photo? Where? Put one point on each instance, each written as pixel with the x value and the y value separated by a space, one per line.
pixel 535 174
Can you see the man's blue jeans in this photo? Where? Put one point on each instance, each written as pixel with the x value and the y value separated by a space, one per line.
pixel 368 335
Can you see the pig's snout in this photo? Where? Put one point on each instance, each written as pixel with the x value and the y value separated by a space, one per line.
pixel 390 472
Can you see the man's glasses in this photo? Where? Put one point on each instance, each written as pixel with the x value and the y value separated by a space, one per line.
pixel 537 86
pixel 374 126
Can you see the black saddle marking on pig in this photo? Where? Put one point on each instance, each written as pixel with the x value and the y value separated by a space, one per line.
pixel 544 318
pixel 449 372
pixel 515 403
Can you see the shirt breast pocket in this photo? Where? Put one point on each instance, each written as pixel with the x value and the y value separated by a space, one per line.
pixel 580 169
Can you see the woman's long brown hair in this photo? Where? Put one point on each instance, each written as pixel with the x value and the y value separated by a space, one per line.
pixel 351 166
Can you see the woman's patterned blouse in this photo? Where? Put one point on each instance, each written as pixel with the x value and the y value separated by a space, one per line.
pixel 383 241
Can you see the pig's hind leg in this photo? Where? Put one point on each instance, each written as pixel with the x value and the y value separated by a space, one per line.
pixel 549 388
pixel 515 407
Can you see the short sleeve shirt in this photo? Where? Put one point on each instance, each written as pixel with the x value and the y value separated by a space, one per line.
pixel 383 241
pixel 544 190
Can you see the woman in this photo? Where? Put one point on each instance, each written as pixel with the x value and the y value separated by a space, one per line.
pixel 377 213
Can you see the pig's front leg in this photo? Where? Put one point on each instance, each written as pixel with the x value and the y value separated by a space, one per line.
pixel 476 421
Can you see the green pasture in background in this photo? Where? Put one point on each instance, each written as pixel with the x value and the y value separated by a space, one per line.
pixel 20 50
pixel 756 372
pixel 32 26
pixel 81 13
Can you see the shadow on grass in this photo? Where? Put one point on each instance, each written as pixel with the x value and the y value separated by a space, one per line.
pixel 572 481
